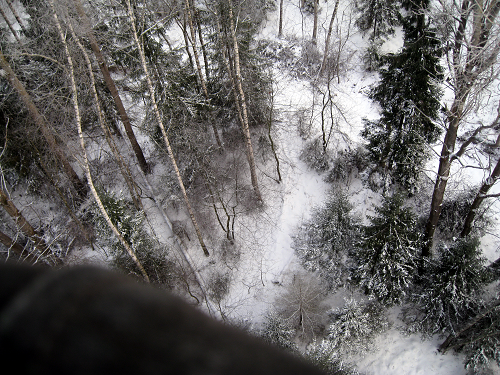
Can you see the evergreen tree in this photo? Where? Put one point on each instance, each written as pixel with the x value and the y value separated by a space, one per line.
pixel 278 332
pixel 325 357
pixel 480 341
pixel 355 325
pixel 328 236
pixel 386 258
pixel 378 17
pixel 408 94
pixel 452 288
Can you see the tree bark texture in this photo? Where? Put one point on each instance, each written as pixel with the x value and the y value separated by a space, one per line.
pixel 74 97
pixel 328 37
pixel 246 127
pixel 112 88
pixel 479 57
pixel 77 183
pixel 164 133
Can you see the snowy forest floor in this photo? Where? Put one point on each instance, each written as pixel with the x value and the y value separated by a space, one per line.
pixel 263 263
pixel 268 262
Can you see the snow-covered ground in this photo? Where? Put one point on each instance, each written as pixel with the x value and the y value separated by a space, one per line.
pixel 265 237
pixel 264 271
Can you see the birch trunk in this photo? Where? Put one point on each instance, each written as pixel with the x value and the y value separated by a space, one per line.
pixel 26 228
pixel 16 15
pixel 74 97
pixel 328 37
pixel 39 120
pixel 246 127
pixel 125 171
pixel 198 68
pixel 11 27
pixel 162 128
pixel 110 83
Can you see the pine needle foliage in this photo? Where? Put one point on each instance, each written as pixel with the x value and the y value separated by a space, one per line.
pixel 324 356
pixel 452 288
pixel 324 240
pixel 130 224
pixel 408 94
pixel 481 344
pixel 355 325
pixel 386 260
pixel 377 17
pixel 277 331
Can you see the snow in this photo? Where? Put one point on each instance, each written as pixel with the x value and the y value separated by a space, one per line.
pixel 396 354
pixel 265 271
pixel 264 238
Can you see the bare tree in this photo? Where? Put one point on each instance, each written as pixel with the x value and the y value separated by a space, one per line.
pixel 110 83
pixel 124 169
pixel 198 67
pixel 486 186
pixel 74 97
pixel 301 303
pixel 75 180
pixel 328 37
pixel 162 128
pixel 474 46
pixel 242 101
pixel 27 229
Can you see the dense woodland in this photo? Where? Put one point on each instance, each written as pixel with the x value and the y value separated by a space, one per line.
pixel 144 133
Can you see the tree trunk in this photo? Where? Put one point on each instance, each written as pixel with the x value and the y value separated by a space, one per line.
pixel 10 244
pixel 442 178
pixel 446 344
pixel 26 228
pixel 198 68
pixel 18 19
pixel 280 27
pixel 112 88
pixel 480 197
pixel 328 37
pixel 12 30
pixel 78 184
pixel 246 127
pixel 271 142
pixel 202 44
pixel 315 24
pixel 125 171
pixel 162 128
pixel 74 97
pixel 480 56
pixel 183 27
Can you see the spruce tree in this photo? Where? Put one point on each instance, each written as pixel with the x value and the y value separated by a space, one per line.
pixel 386 260
pixel 451 290
pixel 327 237
pixel 378 17
pixel 408 94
